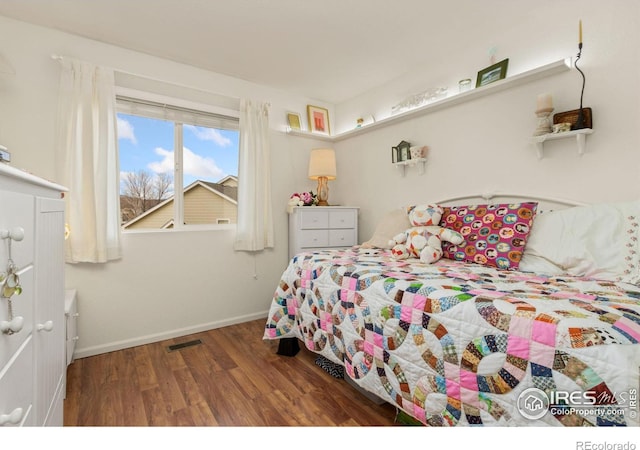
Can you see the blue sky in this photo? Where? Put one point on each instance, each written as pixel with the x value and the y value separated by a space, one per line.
pixel 145 143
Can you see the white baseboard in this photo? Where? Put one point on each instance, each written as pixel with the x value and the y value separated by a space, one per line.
pixel 170 334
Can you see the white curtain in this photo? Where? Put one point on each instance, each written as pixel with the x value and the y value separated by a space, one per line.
pixel 88 166
pixel 255 221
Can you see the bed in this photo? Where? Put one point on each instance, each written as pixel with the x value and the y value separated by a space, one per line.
pixel 548 335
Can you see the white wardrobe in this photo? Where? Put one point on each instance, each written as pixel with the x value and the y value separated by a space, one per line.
pixel 32 323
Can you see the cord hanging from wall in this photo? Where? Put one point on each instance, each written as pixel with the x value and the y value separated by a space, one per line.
pixel 582 117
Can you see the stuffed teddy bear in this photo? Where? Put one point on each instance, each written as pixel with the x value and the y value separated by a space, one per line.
pixel 424 239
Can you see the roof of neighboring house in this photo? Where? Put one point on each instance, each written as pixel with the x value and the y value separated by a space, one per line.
pixel 230 193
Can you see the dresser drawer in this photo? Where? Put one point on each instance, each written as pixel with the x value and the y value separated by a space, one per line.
pixel 342 238
pixel 322 227
pixel 342 219
pixel 314 218
pixel 314 238
pixel 22 306
pixel 18 211
pixel 15 385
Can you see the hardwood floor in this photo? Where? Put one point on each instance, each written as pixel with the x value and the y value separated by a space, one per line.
pixel 233 378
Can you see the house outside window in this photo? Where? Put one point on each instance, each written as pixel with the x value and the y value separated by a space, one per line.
pixel 162 146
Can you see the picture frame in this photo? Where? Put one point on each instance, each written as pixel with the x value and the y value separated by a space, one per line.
pixel 293 121
pixel 495 72
pixel 318 120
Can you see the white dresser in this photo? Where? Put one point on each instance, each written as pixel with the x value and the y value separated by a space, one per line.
pixel 321 227
pixel 32 324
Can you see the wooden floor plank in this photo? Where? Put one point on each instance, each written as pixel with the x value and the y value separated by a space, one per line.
pixel 233 378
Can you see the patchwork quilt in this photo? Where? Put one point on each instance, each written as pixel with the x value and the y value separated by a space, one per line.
pixel 455 343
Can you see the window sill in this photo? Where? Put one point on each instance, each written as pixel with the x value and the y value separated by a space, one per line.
pixel 185 229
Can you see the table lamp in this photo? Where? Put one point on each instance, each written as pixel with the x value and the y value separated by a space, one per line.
pixel 322 167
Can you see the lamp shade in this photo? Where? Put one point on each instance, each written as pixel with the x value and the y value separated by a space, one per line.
pixel 322 163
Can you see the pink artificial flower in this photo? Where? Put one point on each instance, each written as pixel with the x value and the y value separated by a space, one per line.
pixel 306 198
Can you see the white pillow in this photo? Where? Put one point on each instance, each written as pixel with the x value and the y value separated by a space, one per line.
pixel 393 222
pixel 596 241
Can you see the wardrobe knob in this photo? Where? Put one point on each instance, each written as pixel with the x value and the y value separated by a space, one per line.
pixel 13 417
pixel 47 326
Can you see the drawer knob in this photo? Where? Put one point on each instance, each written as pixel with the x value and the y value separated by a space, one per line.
pixel 47 326
pixel 12 326
pixel 13 417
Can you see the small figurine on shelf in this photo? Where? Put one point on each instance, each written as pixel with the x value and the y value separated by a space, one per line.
pixel 359 122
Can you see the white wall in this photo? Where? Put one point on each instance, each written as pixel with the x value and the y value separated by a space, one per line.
pixel 167 283
pixel 484 145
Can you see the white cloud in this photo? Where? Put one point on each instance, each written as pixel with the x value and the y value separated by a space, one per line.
pixel 125 131
pixel 209 134
pixel 165 165
pixel 193 165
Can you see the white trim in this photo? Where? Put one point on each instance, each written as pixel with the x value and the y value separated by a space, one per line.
pixel 158 337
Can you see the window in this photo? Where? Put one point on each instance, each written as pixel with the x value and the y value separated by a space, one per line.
pixel 163 146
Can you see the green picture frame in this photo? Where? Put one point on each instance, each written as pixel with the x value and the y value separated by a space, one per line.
pixel 495 72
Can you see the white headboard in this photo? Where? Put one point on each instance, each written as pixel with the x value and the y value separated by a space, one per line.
pixel 544 203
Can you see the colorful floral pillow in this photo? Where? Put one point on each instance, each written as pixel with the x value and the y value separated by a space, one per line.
pixel 494 235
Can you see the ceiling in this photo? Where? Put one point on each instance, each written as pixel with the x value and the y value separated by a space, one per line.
pixel 329 50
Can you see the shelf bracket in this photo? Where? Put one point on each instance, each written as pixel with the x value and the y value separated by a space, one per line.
pixel 580 135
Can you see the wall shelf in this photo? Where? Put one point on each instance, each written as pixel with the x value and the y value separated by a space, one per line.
pixel 497 86
pixel 420 162
pixel 580 135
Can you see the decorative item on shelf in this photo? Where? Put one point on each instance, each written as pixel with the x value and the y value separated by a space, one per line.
pixel 293 121
pixel 322 167
pixel 582 117
pixel 420 99
pixel 301 199
pixel 543 111
pixel 401 152
pixel 580 120
pixel 418 152
pixel 318 120
pixel 562 127
pixel 464 85
pixel 495 72
pixel 364 121
pixel 571 117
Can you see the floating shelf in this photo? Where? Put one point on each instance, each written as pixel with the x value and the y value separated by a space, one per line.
pixel 580 135
pixel 462 97
pixel 411 162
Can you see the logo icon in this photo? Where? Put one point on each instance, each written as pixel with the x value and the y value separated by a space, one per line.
pixel 533 403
